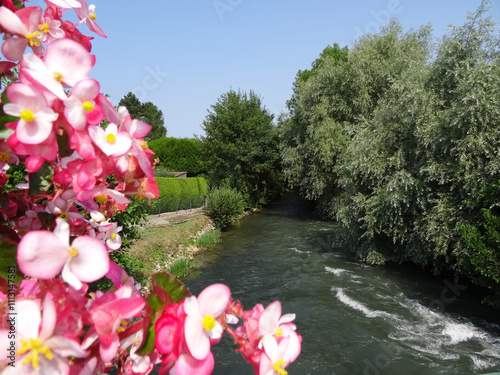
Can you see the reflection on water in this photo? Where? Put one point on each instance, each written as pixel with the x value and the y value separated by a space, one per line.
pixel 354 319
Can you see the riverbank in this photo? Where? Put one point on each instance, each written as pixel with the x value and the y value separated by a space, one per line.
pixel 170 242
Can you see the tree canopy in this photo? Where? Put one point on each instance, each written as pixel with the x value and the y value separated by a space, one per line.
pixel 147 112
pixel 240 146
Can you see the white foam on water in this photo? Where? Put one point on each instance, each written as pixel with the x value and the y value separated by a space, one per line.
pixel 459 332
pixel 482 364
pixel 335 271
pixel 354 304
pixel 348 301
pixel 299 251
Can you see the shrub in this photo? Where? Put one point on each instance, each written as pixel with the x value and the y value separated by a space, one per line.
pixel 179 154
pixel 224 204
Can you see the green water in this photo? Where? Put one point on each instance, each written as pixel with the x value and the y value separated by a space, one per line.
pixel 354 319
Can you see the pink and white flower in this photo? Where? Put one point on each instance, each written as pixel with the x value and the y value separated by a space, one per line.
pixel 24 23
pixel 65 63
pixel 87 14
pixel 41 352
pixel 44 254
pixel 201 325
pixel 111 141
pixel 36 117
pixel 81 107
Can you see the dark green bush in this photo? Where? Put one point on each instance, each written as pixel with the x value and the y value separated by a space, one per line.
pixel 179 154
pixel 224 205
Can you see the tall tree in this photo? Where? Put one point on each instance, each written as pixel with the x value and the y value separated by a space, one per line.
pixel 241 146
pixel 147 112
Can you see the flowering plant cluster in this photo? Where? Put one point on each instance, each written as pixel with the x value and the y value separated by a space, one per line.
pixel 56 230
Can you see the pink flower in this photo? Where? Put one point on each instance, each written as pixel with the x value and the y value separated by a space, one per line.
pixel 277 356
pixel 87 14
pixel 40 352
pixel 138 130
pixel 112 238
pixel 36 117
pixel 44 254
pixel 271 320
pixel 37 153
pixel 272 324
pixel 63 206
pixel 24 23
pixel 66 62
pixel 50 29
pixel 110 141
pixel 201 325
pixel 81 107
pixel 108 314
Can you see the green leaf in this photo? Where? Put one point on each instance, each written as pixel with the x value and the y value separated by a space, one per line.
pixel 40 181
pixel 47 220
pixel 167 287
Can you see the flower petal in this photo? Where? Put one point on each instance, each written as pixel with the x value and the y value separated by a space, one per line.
pixel 213 300
pixel 268 322
pixel 196 337
pixel 41 254
pixel 92 261
pixel 187 365
pixel 28 319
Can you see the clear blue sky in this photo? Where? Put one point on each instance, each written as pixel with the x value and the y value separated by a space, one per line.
pixel 182 55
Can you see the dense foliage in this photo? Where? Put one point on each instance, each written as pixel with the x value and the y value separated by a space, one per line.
pixel 240 147
pixel 399 142
pixel 179 155
pixel 147 112
pixel 224 205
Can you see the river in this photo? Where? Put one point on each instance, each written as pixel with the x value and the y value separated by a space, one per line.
pixel 354 319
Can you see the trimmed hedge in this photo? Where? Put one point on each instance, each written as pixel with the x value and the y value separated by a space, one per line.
pixel 181 187
pixel 179 154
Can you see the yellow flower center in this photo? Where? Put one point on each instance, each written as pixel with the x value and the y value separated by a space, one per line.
pixel 58 77
pixel 88 106
pixel 113 236
pixel 27 115
pixel 208 322
pixel 33 39
pixel 73 251
pixel 44 28
pixel 144 145
pixel 279 333
pixel 35 346
pixel 64 216
pixel 278 367
pixel 111 138
pixel 101 198
pixel 92 17
pixel 139 197
pixel 4 156
pixel 122 326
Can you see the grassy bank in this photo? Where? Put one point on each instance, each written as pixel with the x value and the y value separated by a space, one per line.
pixel 171 247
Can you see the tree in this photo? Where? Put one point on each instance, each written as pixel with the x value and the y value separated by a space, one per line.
pixel 147 112
pixel 241 147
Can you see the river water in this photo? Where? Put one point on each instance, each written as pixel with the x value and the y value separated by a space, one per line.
pixel 354 319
